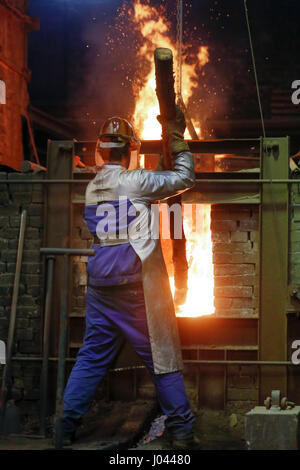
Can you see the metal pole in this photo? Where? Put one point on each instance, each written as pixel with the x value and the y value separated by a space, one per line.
pixel 62 355
pixel 254 69
pixel 67 251
pixel 6 385
pixel 186 361
pixel 232 362
pixel 198 180
pixel 247 181
pixel 44 373
pixel 179 48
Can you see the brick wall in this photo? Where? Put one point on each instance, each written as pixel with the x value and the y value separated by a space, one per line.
pixel 235 257
pixel 27 340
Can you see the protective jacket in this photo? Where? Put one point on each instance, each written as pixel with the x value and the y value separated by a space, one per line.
pixel 130 250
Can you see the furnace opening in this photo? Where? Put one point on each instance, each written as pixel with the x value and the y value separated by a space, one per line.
pixel 199 298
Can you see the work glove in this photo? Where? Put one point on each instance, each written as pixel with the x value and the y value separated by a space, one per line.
pixel 174 129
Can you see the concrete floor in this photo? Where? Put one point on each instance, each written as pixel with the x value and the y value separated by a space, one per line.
pixel 120 425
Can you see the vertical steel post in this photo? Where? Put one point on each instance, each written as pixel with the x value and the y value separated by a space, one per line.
pixel 46 340
pixel 58 222
pixel 62 354
pixel 274 265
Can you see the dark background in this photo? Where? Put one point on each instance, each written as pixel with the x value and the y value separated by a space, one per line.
pixel 82 85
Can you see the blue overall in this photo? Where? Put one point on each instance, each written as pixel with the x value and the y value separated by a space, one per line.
pixel 115 311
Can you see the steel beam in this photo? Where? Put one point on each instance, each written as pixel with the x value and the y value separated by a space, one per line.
pixel 273 265
pixel 46 337
pixel 185 361
pixel 212 179
pixel 224 146
pixel 58 217
pixel 62 354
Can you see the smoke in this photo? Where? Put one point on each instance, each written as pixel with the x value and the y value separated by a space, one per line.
pixel 114 70
pixel 85 63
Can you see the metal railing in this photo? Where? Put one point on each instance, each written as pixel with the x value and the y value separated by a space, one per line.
pixel 51 253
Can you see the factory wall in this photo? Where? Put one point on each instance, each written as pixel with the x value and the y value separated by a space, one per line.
pixel 14 198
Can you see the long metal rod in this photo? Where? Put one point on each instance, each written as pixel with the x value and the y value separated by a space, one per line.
pixel 46 338
pixel 207 180
pixel 62 355
pixel 179 48
pixel 32 141
pixel 233 362
pixel 186 361
pixel 67 251
pixel 256 181
pixel 6 379
pixel 189 123
pixel 254 69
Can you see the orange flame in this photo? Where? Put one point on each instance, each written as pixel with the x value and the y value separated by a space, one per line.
pixel 156 31
pixel 200 294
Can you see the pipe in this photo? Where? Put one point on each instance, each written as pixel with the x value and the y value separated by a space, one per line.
pixel 67 251
pixel 198 180
pixel 257 181
pixel 62 355
pixel 28 166
pixel 232 362
pixel 186 361
pixel 6 379
pixel 32 141
pixel 188 120
pixel 46 337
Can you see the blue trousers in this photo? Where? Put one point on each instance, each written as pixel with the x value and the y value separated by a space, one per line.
pixel 113 314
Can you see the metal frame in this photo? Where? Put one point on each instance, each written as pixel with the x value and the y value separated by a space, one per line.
pixel 269 191
pixel 274 230
pixel 66 253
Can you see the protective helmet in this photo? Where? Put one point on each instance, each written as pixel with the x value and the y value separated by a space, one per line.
pixel 117 132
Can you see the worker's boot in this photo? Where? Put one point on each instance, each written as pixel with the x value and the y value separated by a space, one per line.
pixel 184 443
pixel 68 439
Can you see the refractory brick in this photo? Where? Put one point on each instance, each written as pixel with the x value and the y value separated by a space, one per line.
pixel 242 280
pixel 236 291
pixel 235 269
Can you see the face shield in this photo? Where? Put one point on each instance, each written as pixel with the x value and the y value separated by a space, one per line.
pixel 104 145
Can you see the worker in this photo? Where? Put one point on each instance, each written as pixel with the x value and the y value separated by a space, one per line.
pixel 128 294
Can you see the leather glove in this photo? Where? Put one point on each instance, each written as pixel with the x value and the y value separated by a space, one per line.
pixel 174 130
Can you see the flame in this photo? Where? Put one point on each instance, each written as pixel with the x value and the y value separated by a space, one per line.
pixel 200 295
pixel 155 31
